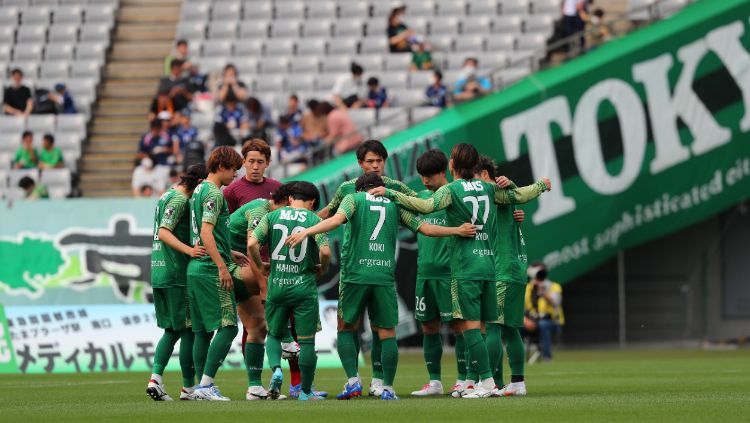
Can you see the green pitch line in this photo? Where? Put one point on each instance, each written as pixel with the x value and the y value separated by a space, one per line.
pixel 579 386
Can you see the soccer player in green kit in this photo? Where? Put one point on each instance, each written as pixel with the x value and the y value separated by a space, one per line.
pixel 292 284
pixel 510 276
pixel 367 273
pixel 472 260
pixel 169 260
pixel 211 278
pixel 371 157
pixel 433 285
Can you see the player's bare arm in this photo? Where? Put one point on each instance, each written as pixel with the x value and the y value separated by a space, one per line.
pixel 209 242
pixel 170 239
pixel 519 216
pixel 467 230
pixel 325 226
pixel 324 254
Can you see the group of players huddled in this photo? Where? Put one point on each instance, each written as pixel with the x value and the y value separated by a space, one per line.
pixel 208 270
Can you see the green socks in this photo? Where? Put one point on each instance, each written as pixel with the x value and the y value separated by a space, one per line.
pixel 389 360
pixel 219 349
pixel 200 351
pixel 480 362
pixel 461 357
pixel 254 363
pixel 186 357
pixel 273 350
pixel 516 351
pixel 495 352
pixel 432 345
pixel 287 338
pixel 164 350
pixel 348 352
pixel 308 360
pixel 376 356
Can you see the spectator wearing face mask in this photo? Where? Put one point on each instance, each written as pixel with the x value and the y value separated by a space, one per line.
pixel 349 90
pixel 437 92
pixel 471 85
pixel 399 35
pixel 145 174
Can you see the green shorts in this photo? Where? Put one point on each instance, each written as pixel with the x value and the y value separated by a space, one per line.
pixel 211 306
pixel 474 300
pixel 172 310
pixel 510 303
pixel 380 301
pixel 306 315
pixel 433 300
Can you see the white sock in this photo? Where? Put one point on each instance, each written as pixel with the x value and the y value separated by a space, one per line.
pixel 353 380
pixel 157 378
pixel 488 384
pixel 205 380
pixel 469 382
pixel 376 382
pixel 388 388
pixel 436 383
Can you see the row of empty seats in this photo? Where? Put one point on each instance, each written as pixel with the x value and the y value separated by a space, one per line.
pixel 197 10
pixel 57 181
pixel 44 15
pixel 358 27
pixel 51 3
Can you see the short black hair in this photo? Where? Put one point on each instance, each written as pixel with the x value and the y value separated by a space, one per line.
pixel 598 13
pixel 26 182
pixel 16 71
pixel 181 42
pixel 155 123
pixel 357 69
pixel 432 162
pixel 193 176
pixel 27 133
pixel 368 181
pixel 465 158
pixel 306 191
pixel 284 119
pixel 472 59
pixel 486 163
pixel 373 82
pixel 312 104
pixel 438 74
pixel 176 63
pixel 294 96
pixel 282 193
pixel 49 137
pixel 371 146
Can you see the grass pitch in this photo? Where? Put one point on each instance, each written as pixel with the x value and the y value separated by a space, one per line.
pixel 579 386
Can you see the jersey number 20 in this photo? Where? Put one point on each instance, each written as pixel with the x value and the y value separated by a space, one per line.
pixel 276 254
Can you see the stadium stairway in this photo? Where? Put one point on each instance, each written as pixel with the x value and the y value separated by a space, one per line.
pixel 144 33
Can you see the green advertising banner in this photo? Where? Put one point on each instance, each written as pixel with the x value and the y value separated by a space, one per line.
pixel 7 355
pixel 642 137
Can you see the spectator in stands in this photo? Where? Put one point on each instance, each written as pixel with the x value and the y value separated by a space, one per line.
pixel 161 103
pixel 599 32
pixel 289 141
pixel 342 131
pixel 180 52
pixel 574 18
pixel 182 135
pixel 145 175
pixel 349 90
pixel 421 57
pixel 377 96
pixel 31 190
pixel 292 109
pixel 231 123
pixel 399 35
pixel 147 191
pixel 156 145
pixel 543 303
pixel 471 85
pixel 231 88
pixel 174 178
pixel 437 92
pixel 314 123
pixel 50 157
pixel 27 157
pixel 63 99
pixel 175 86
pixel 259 118
pixel 196 82
pixel 17 99
pixel 257 158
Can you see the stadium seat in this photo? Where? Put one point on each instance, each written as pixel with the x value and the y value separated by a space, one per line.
pixel 394 80
pixel 252 47
pixel 5 54
pixel 348 28
pixel 444 25
pixel 397 62
pixel 284 29
pixel 501 42
pixel 15 175
pixel 32 33
pixel 255 9
pixel 382 8
pixel 321 9
pixel 362 117
pixel 326 81
pixel 81 87
pixel 337 64
pixel 483 8
pixel 57 182
pixel 8 16
pixel 376 27
pixel 370 62
pixel 519 7
pixel 279 47
pixel 94 50
pixel 441 42
pixel 195 12
pixel 270 83
pixel 29 51
pixel 532 41
pixel 75 124
pixel 63 32
pixel 102 13
pixel 420 79
pixel 543 24
pixel 374 45
pixel 469 43
pixel 353 9
pixel 305 64
pixel 226 10
pixel 422 113
pixel 222 29
pixel 407 98
pixel 302 83
pixel 342 46
pixel 35 15
pixel 191 30
pixel 451 8
pixel 85 69
pixel 67 141
pixel 421 8
pixel 275 64
pixel 317 28
pixel 68 14
pixel 394 117
pixel 95 32
pixel 549 7
pixel 44 124
pixel 290 9
pixel 10 135
pixel 7 34
pixel 507 24
pixel 254 29
pixel 59 51
pixel 476 25
pixel 311 47
pixel 54 69
pixel 244 64
pixel 214 48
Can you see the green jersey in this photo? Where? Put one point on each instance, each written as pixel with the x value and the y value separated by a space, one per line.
pixel 433 259
pixel 510 248
pixel 348 187
pixel 169 266
pixel 471 201
pixel 245 219
pixel 208 205
pixel 51 157
pixel 368 253
pixel 293 277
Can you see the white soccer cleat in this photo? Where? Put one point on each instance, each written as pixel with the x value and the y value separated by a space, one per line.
pixel 517 389
pixel 483 389
pixel 209 393
pixel 186 394
pixel 157 392
pixel 457 388
pixel 376 388
pixel 256 393
pixel 289 350
pixel 434 387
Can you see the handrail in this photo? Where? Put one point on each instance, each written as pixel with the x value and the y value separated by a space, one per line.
pixel 536 63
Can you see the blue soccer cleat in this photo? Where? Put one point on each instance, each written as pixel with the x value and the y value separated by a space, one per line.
pixel 311 397
pixel 274 389
pixel 209 393
pixel 294 391
pixel 350 391
pixel 388 395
